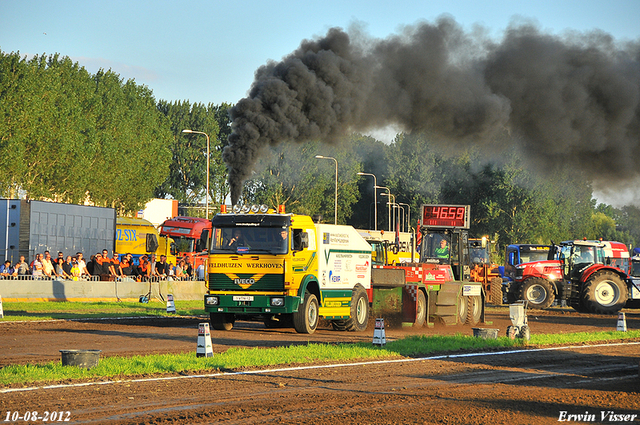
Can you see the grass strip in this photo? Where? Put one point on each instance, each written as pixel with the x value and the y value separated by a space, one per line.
pixel 25 311
pixel 241 358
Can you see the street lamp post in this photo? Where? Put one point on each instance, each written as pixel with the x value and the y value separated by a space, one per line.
pixel 408 214
pixel 335 218
pixel 375 199
pixel 208 157
pixel 389 202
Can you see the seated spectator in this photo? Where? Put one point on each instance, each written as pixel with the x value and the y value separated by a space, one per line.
pixel 22 268
pixel 37 267
pixel 6 270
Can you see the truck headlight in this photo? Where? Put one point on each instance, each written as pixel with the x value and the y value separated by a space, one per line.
pixel 277 302
pixel 212 300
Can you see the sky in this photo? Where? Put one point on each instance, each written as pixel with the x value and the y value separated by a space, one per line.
pixel 208 51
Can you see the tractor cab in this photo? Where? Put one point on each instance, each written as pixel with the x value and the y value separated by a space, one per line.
pixel 446 246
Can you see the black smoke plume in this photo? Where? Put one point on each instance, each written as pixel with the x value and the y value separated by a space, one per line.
pixel 572 100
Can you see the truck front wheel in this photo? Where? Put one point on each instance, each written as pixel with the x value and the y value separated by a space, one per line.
pixel 222 321
pixel 537 292
pixel 604 293
pixel 305 320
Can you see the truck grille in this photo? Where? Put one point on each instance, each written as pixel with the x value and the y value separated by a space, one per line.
pixel 268 282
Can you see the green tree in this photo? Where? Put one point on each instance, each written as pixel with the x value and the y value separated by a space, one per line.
pixel 188 169
pixel 69 136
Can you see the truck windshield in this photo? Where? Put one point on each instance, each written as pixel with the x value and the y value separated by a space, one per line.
pixel 250 240
pixel 184 244
pixel 531 256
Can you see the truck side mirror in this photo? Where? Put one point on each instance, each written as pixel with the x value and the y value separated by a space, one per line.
pixel 204 240
pixel 152 243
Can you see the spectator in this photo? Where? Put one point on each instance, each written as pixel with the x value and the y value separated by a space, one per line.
pixel 67 266
pixel 6 270
pixel 22 268
pixel 37 267
pixel 189 267
pixel 75 269
pixel 60 255
pixel 162 268
pixel 59 269
pixel 47 265
pixel 200 272
pixel 126 265
pixel 144 268
pixel 82 266
pixel 180 270
pixel 101 266
pixel 114 267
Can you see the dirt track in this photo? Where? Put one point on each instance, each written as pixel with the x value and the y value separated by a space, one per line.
pixel 516 388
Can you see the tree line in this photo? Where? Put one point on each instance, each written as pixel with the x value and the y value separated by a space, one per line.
pixel 71 136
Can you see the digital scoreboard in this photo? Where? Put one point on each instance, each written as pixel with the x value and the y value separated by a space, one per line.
pixel 441 216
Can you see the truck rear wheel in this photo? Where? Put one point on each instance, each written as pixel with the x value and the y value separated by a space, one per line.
pixel 222 321
pixel 537 292
pixel 305 320
pixel 604 293
pixel 359 313
pixel 359 310
pixel 496 291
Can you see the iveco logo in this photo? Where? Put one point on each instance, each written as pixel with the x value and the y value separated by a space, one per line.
pixel 244 281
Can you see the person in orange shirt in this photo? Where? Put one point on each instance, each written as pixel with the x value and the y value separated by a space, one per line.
pixel 126 265
pixel 144 268
pixel 114 266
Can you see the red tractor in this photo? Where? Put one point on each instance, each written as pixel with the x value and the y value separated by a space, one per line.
pixel 591 276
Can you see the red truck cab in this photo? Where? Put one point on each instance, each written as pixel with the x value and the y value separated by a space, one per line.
pixel 187 232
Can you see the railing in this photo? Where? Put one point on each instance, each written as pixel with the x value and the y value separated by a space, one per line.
pixel 99 279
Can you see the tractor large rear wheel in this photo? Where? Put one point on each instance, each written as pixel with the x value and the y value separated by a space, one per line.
pixel 537 292
pixel 474 310
pixel 496 291
pixel 463 309
pixel 421 310
pixel 604 293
